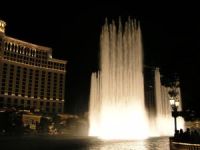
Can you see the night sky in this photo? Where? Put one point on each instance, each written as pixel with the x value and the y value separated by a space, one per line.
pixel 170 40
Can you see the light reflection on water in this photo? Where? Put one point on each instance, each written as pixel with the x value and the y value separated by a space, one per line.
pixel 80 143
pixel 149 144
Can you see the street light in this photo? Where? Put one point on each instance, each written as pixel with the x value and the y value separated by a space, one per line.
pixel 174 102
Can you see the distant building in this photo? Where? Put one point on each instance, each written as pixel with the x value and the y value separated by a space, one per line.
pixel 29 76
pixel 31 120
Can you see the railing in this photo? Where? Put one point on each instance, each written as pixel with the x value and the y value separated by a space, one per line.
pixel 183 146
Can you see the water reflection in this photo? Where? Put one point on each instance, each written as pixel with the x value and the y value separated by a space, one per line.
pixel 80 143
pixel 149 144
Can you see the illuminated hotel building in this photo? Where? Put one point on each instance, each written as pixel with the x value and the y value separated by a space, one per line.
pixel 29 76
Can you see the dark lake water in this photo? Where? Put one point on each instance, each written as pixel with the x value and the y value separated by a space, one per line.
pixel 80 143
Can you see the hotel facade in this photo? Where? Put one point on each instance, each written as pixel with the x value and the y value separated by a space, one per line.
pixel 29 76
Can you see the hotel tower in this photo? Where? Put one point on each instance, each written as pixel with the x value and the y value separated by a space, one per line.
pixel 29 76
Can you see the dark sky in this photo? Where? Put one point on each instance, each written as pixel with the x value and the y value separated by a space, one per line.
pixel 170 40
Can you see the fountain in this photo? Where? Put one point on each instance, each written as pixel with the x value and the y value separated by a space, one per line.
pixel 117 104
pixel 164 120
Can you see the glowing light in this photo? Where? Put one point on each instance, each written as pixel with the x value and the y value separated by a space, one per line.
pixel 117 124
pixel 2 26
